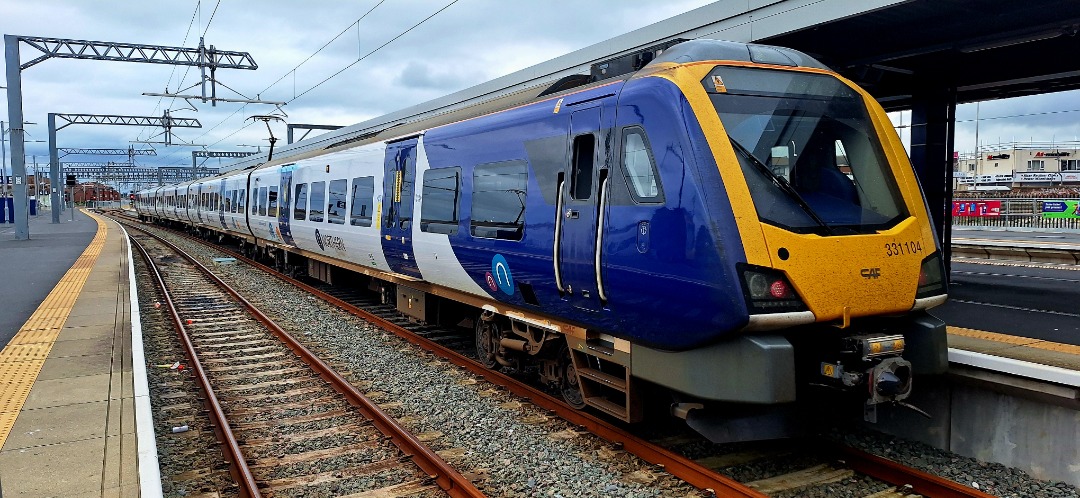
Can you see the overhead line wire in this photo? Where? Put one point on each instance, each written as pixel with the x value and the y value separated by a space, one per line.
pixel 403 33
pixel 359 59
pixel 327 44
pixel 218 4
pixel 173 72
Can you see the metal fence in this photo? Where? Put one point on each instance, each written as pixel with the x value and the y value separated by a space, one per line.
pixel 1021 214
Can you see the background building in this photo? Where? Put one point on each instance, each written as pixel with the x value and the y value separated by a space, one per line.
pixel 1017 166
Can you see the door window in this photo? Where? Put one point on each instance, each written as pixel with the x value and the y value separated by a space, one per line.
pixel 581 173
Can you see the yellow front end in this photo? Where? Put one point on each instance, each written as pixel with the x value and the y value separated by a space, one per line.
pixel 842 276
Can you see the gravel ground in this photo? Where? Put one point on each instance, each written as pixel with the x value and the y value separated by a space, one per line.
pixel 515 449
pixel 992 478
pixel 187 468
pixel 509 446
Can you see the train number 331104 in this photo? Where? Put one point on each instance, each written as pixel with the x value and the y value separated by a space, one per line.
pixel 901 248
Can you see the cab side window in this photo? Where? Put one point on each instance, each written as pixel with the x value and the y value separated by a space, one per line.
pixel 639 168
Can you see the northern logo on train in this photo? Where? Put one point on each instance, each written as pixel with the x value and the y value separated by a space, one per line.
pixel 500 276
pixel 331 241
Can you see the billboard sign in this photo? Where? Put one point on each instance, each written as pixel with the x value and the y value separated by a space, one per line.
pixel 1060 209
pixel 982 209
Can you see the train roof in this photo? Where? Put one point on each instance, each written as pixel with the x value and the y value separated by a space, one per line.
pixel 438 113
pixel 719 50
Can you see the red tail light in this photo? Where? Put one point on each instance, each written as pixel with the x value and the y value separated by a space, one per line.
pixel 779 289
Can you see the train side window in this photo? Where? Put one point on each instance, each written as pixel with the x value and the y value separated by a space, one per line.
pixel 498 200
pixel 235 200
pixel 300 206
pixel 581 173
pixel 241 205
pixel 318 198
pixel 335 208
pixel 271 198
pixel 639 167
pixel 262 201
pixel 228 204
pixel 439 200
pixel 363 194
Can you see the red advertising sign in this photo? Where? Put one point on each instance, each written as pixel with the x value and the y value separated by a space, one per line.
pixel 976 208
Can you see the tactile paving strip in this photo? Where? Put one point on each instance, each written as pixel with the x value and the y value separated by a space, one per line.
pixel 1016 341
pixel 22 359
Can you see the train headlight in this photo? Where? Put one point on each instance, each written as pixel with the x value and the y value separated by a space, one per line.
pixel 768 291
pixel 931 277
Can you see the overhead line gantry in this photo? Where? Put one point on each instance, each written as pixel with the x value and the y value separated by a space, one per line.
pixel 130 151
pixel 202 57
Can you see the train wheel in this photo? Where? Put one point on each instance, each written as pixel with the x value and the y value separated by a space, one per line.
pixel 487 342
pixel 568 381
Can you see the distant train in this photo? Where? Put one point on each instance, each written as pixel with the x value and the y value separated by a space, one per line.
pixel 732 224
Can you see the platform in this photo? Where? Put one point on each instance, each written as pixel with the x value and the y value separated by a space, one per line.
pixel 68 397
pixel 71 403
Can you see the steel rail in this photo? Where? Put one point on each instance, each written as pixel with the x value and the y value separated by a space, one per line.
pixel 902 475
pixel 685 469
pixel 448 478
pixel 876 467
pixel 238 466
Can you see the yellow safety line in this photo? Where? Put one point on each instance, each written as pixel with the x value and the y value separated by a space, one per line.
pixel 21 360
pixel 1014 340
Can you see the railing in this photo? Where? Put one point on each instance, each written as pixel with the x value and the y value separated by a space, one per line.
pixel 1023 214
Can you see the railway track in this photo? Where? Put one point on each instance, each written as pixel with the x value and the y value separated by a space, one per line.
pixel 828 471
pixel 288 424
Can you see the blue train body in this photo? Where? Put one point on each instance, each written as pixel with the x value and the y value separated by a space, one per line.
pixel 621 227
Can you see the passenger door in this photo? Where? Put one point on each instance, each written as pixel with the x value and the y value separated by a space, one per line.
pixel 397 206
pixel 576 249
pixel 221 204
pixel 284 212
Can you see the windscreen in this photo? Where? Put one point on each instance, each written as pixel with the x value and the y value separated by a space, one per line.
pixel 808 150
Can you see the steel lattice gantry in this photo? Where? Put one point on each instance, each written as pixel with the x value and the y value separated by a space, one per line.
pixel 136 175
pixel 130 151
pixel 135 52
pixel 217 153
pixel 202 56
pixel 164 121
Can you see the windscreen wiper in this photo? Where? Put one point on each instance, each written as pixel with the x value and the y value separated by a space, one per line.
pixel 782 184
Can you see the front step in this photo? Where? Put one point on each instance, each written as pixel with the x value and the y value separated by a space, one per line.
pixel 605 382
pixel 608 407
pixel 603 378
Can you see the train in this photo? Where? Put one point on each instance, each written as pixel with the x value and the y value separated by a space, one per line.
pixel 716 230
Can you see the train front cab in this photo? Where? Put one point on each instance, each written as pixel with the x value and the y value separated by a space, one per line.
pixel 840 260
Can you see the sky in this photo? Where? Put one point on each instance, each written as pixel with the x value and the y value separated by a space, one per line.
pixel 466 42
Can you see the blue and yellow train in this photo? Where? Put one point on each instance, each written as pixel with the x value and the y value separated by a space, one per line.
pixel 733 224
